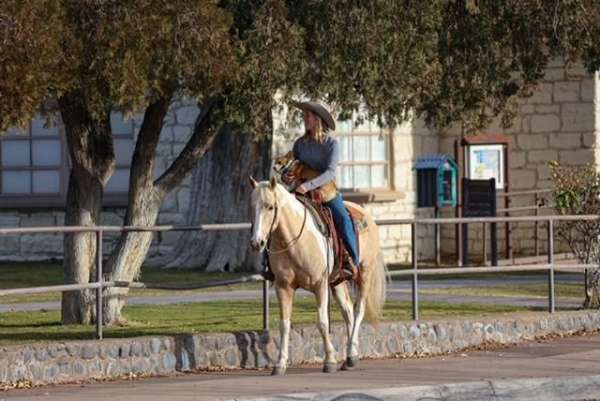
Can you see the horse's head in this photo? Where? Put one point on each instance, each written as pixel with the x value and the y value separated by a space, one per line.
pixel 264 212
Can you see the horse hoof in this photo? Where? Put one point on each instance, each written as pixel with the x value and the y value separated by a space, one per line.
pixel 350 363
pixel 329 368
pixel 278 371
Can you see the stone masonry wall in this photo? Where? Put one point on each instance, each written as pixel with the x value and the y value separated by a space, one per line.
pixel 83 360
pixel 558 122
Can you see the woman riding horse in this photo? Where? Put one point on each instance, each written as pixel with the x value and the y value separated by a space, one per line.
pixel 301 256
pixel 321 152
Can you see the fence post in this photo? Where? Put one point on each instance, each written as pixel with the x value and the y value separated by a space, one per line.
pixel 415 278
pixel 484 249
pixel 437 236
pixel 551 303
pixel 536 225
pixel 99 281
pixel 266 312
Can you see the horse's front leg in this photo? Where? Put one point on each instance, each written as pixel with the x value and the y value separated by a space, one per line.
pixel 323 325
pixel 285 295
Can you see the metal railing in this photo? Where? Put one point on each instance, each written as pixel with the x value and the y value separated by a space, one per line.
pixel 539 203
pixel 413 272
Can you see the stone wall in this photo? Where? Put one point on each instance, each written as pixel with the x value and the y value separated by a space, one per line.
pixel 83 360
pixel 558 122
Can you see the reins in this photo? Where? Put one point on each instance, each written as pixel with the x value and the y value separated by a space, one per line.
pixel 289 244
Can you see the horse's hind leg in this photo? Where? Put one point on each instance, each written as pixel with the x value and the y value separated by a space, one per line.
pixel 342 295
pixel 359 313
pixel 329 365
pixel 286 297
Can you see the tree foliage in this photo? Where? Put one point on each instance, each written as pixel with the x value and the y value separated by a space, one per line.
pixel 448 61
pixel 116 55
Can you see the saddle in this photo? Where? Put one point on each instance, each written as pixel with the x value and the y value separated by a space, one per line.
pixel 324 219
pixel 313 201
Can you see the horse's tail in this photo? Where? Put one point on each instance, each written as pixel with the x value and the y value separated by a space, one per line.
pixel 376 291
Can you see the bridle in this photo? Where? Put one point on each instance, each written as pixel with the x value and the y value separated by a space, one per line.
pixel 271 228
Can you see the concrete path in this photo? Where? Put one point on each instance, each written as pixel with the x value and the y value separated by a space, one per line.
pixel 564 369
pixel 398 290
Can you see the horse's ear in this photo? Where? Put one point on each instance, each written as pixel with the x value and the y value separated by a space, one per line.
pixel 252 181
pixel 273 182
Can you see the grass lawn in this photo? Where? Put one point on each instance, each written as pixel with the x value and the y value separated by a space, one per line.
pixel 16 275
pixel 569 290
pixel 225 316
pixel 19 275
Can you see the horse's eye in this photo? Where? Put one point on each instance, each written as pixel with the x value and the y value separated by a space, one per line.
pixel 270 207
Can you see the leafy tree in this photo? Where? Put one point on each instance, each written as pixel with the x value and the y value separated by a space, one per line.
pixel 446 61
pixel 92 57
pixel 137 56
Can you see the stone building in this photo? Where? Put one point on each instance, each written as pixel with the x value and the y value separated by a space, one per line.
pixel 558 122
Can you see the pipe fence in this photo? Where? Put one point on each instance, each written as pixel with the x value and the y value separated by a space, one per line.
pixel 414 272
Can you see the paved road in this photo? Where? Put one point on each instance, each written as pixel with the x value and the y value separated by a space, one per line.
pixel 567 357
pixel 398 290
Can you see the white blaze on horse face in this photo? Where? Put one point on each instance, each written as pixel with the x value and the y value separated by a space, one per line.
pixel 263 217
pixel 257 227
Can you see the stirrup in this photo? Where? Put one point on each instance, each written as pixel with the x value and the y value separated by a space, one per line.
pixel 268 275
pixel 348 271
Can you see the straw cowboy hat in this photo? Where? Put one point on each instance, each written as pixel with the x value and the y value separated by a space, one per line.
pixel 319 110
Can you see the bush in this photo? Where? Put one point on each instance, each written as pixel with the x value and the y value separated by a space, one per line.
pixel 576 191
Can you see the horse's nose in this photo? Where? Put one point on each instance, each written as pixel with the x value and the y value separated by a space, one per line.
pixel 257 245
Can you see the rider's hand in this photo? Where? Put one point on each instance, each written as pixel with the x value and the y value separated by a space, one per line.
pixel 288 178
pixel 301 189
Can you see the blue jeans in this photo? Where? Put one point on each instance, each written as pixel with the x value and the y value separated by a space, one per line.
pixel 344 224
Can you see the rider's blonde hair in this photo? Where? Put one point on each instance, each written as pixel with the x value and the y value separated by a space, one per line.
pixel 321 133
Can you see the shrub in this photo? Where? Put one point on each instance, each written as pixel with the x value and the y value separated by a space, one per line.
pixel 576 191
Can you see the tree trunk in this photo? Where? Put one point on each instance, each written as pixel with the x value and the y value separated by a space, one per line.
pixel 220 193
pixel 127 258
pixel 592 287
pixel 83 209
pixel 146 196
pixel 93 162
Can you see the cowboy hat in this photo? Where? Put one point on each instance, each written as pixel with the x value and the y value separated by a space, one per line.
pixel 319 110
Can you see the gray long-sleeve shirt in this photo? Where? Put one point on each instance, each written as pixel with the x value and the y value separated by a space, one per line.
pixel 322 157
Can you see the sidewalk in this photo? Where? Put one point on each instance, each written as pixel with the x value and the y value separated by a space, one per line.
pixel 563 369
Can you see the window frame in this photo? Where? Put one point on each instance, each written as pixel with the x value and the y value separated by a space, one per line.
pixel 370 194
pixel 31 199
pixel 13 201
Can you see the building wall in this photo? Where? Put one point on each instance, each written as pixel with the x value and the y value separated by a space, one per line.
pixel 177 129
pixel 558 122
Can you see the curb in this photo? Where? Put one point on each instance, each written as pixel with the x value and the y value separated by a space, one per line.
pixel 562 388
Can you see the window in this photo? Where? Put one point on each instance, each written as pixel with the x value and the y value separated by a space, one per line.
pixel 364 157
pixel 34 164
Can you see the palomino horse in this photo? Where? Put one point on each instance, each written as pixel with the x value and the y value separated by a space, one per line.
pixel 300 257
